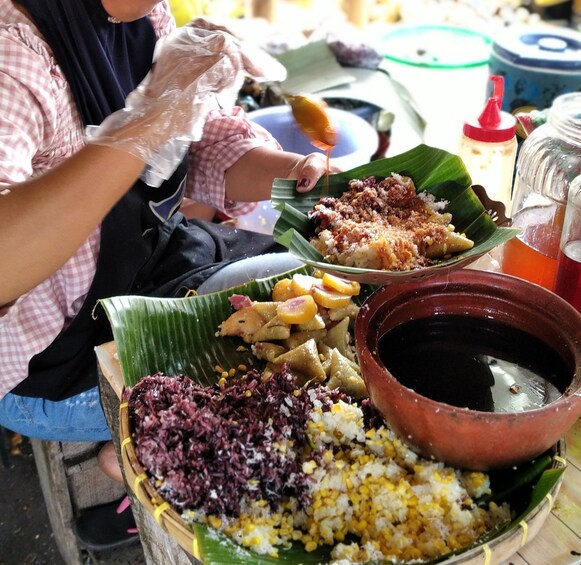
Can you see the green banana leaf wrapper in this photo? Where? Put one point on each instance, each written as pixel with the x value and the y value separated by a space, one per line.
pixel 178 336
pixel 434 171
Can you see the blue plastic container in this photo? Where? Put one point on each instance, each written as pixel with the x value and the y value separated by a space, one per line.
pixel 357 139
pixel 538 64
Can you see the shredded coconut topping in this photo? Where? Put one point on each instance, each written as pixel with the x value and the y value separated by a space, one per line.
pixel 379 225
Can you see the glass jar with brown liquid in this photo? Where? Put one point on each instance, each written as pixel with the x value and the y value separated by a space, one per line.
pixel 549 160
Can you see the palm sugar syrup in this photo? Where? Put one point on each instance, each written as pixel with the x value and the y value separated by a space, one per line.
pixel 474 363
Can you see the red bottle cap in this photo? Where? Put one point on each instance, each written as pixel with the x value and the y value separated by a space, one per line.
pixel 492 125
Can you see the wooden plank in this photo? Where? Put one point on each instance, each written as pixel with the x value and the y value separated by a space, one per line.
pixel 516 560
pixel 110 367
pixel 568 504
pixel 574 445
pixel 53 482
pixel 557 545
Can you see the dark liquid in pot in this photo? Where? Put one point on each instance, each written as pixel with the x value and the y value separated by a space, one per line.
pixel 474 363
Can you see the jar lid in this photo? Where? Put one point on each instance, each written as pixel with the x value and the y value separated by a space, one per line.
pixel 437 47
pixel 545 47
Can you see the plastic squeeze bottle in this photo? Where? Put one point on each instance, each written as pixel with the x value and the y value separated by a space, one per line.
pixel 488 147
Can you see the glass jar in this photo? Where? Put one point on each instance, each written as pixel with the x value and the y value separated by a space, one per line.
pixel 549 160
pixel 568 279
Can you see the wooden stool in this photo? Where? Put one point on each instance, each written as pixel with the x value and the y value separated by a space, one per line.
pixel 71 481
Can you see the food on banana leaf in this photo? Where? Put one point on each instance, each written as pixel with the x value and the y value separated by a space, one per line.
pixel 384 225
pixel 306 327
pixel 270 463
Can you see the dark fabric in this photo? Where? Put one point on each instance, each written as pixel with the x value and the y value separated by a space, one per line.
pixel 146 247
pixel 184 255
pixel 129 236
pixel 195 250
pixel 103 62
pixel 102 528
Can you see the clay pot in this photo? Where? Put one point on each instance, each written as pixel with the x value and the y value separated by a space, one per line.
pixel 461 437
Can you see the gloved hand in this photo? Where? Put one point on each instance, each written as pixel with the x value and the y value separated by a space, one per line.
pixel 192 67
pixel 258 64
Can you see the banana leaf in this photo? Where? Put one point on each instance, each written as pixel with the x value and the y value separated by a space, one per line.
pixel 178 336
pixel 433 170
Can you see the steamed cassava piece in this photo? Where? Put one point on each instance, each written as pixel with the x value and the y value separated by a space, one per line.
pixel 306 326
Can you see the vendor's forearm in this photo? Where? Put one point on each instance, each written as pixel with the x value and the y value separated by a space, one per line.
pixel 250 178
pixel 45 220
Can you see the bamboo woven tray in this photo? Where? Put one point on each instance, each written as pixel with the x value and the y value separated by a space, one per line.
pixel 495 551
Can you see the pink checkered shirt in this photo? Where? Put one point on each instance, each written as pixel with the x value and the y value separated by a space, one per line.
pixel 39 127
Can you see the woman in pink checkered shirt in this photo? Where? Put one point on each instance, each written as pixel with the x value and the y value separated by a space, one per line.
pixel 79 220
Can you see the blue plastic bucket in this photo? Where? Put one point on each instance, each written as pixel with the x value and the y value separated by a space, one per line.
pixel 357 142
pixel 357 139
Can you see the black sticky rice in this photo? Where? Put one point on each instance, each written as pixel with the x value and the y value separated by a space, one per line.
pixel 210 448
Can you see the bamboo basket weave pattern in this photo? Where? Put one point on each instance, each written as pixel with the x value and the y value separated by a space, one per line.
pixel 138 479
pixel 496 551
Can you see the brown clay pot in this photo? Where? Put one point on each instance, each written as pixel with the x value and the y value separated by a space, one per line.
pixel 468 438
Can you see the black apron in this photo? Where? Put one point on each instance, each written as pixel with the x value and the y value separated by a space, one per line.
pixel 147 247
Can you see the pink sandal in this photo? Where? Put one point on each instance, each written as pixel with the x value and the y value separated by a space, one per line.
pixel 126 503
pixel 107 526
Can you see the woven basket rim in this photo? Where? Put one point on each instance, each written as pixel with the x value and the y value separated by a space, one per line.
pixel 138 480
pixel 171 522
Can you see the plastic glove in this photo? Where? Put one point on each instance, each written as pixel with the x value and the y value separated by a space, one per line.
pixel 167 111
pixel 258 64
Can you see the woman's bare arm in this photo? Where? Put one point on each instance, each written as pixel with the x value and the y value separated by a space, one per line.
pixel 43 221
pixel 250 178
